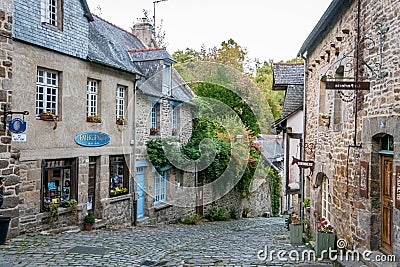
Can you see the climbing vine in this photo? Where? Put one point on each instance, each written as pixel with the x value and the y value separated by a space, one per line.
pixel 275 189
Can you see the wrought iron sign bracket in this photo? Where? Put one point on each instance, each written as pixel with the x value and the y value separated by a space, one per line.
pixel 7 112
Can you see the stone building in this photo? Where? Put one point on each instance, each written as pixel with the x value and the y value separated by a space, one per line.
pixel 352 118
pixel 290 77
pixel 83 82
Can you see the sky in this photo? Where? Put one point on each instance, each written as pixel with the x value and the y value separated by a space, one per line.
pixel 268 29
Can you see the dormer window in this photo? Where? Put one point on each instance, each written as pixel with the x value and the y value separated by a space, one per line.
pixel 166 80
pixel 51 12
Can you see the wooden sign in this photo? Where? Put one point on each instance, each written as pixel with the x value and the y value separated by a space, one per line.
pixel 363 179
pixel 304 164
pixel 347 85
pixel 397 199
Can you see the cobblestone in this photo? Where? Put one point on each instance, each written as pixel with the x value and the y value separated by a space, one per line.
pixel 233 243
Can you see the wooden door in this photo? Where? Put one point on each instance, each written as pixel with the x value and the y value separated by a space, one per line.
pixel 387 203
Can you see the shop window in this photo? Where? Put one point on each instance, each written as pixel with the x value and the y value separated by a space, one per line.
pixel 59 181
pixel 160 187
pixel 119 178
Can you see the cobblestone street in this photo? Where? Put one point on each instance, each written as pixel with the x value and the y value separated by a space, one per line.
pixel 233 243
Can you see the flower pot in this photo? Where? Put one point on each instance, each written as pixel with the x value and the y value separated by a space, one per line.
pixel 88 226
pixel 296 234
pixel 324 241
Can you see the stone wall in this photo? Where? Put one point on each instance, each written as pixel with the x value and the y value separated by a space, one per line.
pixel 355 217
pixel 9 166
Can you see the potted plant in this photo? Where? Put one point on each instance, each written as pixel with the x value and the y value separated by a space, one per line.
pixel 93 118
pixel 89 221
pixel 174 132
pixel 306 203
pixel 154 131
pixel 120 121
pixel 325 238
pixel 296 230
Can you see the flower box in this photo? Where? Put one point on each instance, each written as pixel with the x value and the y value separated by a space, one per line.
pixel 120 121
pixel 324 241
pixel 48 117
pixel 296 234
pixel 93 119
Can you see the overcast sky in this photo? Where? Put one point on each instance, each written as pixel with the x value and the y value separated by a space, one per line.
pixel 269 29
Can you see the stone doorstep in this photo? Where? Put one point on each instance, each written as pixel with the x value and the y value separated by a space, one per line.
pixel 363 263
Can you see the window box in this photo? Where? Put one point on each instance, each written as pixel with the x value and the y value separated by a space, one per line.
pixel 154 131
pixel 93 119
pixel 120 121
pixel 48 117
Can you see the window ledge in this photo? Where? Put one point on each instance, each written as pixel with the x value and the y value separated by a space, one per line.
pixel 161 206
pixel 119 198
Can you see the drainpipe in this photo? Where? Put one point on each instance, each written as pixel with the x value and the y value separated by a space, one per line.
pixel 303 138
pixel 133 159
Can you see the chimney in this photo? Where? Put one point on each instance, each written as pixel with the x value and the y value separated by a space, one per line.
pixel 144 31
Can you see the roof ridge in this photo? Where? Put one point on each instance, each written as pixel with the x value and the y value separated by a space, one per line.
pixel 116 26
pixel 146 49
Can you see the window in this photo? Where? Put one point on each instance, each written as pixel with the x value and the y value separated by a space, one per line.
pixel 119 180
pixel 154 121
pixel 160 187
pixel 326 200
pixel 175 118
pixel 120 104
pixel 47 92
pixel 59 181
pixel 166 80
pixel 51 12
pixel 179 178
pixel 92 95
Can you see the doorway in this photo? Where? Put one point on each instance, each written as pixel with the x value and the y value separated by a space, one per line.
pixel 91 203
pixel 387 203
pixel 140 191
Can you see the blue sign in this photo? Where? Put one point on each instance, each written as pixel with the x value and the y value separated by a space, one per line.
pixel 92 139
pixel 17 125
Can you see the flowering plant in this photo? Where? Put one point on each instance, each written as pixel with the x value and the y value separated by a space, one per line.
pixel 324 226
pixel 295 219
pixel 174 132
pixel 153 131
pixel 118 191
pixel 120 121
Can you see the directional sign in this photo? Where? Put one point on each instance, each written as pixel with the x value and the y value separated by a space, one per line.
pixel 347 85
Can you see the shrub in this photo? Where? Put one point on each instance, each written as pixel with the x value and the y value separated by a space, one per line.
pixel 89 218
pixel 194 219
pixel 217 214
pixel 234 214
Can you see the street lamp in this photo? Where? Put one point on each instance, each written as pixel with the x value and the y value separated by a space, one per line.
pixel 154 15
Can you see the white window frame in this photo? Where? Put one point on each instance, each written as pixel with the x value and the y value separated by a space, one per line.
pixel 160 187
pixel 92 97
pixel 175 118
pixel 166 79
pixel 47 91
pixel 120 102
pixel 49 12
pixel 326 200
pixel 153 115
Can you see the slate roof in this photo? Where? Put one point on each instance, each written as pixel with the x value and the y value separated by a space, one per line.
pixel 287 74
pixel 293 100
pixel 109 45
pixel 272 150
pixel 114 47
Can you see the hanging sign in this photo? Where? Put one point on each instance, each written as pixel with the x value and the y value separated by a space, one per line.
pixel 347 85
pixel 17 125
pixel 304 164
pixel 92 139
